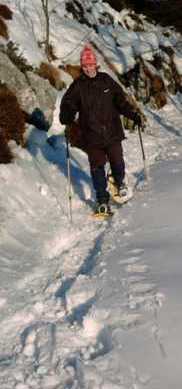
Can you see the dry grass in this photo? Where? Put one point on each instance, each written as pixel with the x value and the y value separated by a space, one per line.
pixel 73 70
pixel 157 87
pixel 5 152
pixel 3 29
pixel 11 117
pixel 156 81
pixel 160 100
pixel 26 116
pixel 52 74
pixel 5 12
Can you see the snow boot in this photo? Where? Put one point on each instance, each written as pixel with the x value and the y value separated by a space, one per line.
pixel 119 195
pixel 102 211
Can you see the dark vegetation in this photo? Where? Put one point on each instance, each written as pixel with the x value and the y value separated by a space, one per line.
pixel 164 12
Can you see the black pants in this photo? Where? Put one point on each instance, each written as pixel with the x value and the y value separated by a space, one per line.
pixel 97 159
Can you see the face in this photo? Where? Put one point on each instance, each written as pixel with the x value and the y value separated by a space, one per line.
pixel 90 70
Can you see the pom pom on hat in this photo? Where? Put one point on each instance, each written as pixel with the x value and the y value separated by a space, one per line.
pixel 87 56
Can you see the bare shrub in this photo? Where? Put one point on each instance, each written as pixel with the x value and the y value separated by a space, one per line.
pixel 3 29
pixel 12 119
pixel 52 74
pixel 5 152
pixel 73 70
pixel 5 12
pixel 17 58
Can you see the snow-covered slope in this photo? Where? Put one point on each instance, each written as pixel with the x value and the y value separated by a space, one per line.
pixel 99 23
pixel 60 323
pixel 47 265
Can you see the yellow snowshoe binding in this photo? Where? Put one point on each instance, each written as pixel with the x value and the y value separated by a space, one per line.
pixel 119 195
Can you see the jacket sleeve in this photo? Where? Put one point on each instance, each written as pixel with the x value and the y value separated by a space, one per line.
pixel 121 102
pixel 70 104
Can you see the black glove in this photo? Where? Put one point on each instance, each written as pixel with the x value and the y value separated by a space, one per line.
pixel 138 120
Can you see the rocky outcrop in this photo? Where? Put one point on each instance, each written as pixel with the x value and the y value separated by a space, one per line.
pixel 45 94
pixel 30 89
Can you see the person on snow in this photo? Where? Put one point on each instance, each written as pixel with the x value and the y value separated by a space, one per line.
pixel 99 101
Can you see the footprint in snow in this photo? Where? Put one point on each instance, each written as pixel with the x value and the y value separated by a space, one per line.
pixel 136 251
pixel 135 268
pixel 142 288
pixel 129 260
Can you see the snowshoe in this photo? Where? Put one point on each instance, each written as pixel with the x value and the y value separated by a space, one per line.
pixel 119 195
pixel 102 211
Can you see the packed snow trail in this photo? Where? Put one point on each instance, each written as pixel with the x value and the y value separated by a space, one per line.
pixel 63 305
pixel 140 304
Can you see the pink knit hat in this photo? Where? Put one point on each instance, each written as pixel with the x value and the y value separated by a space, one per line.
pixel 87 56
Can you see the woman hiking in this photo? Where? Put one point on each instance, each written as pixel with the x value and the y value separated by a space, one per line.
pixel 99 101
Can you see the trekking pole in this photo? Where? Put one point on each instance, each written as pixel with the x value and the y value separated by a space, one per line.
pixel 143 154
pixel 69 180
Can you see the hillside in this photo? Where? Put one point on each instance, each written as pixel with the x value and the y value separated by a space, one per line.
pixel 87 304
pixel 164 12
